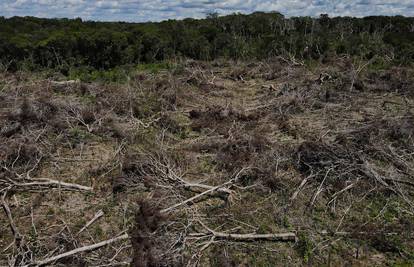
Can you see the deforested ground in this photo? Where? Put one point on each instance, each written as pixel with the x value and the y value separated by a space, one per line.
pixel 210 164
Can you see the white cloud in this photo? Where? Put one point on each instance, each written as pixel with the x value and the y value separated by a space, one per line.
pixel 156 10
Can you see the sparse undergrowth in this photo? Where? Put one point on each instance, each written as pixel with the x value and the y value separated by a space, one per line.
pixel 321 155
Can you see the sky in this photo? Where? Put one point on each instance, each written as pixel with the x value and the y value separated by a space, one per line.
pixel 157 10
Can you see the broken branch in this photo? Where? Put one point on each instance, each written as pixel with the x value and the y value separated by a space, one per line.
pixel 79 250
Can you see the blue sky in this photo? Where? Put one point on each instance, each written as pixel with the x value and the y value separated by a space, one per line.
pixel 156 10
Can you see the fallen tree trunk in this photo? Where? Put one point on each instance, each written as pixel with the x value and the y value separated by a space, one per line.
pixel 46 182
pixel 62 84
pixel 288 237
pixel 79 250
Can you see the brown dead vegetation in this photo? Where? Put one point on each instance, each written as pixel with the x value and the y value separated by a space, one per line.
pixel 208 156
pixel 219 118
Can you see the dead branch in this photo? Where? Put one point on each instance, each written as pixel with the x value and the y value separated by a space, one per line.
pixel 191 185
pixel 398 181
pixel 98 215
pixel 79 250
pixel 169 173
pixel 191 199
pixel 212 189
pixel 62 84
pixel 289 237
pixel 282 237
pixel 302 184
pixel 348 187
pixel 23 252
pixel 40 183
pixel 16 234
pixel 320 188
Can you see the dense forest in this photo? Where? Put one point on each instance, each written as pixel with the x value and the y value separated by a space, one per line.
pixel 32 43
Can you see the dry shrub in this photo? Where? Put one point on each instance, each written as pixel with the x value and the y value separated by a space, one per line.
pixel 335 163
pixel 139 77
pixel 398 131
pixel 319 156
pixel 219 117
pixel 31 115
pixel 88 114
pixel 144 100
pixel 272 168
pixel 145 168
pixel 136 170
pixel 359 85
pixel 10 128
pixel 220 257
pixel 212 86
pixel 265 161
pixel 122 100
pixel 265 172
pixel 19 153
pixel 169 99
pixel 204 80
pixel 85 89
pixel 241 151
pixel 167 121
pixel 40 110
pixel 239 73
pixel 208 145
pixel 285 126
pixel 119 99
pixel 67 87
pixel 292 102
pixel 65 240
pixel 294 99
pixel 196 77
pixel 269 71
pixel 272 69
pixel 396 79
pixel 165 90
pixel 392 236
pixel 194 64
pixel 110 127
pixel 366 153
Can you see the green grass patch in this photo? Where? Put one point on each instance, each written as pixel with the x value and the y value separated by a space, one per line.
pixel 78 135
pixel 155 67
pixel 88 74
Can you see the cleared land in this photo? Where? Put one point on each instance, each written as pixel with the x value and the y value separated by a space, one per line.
pixel 210 164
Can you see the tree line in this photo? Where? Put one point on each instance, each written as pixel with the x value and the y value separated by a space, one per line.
pixel 33 43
